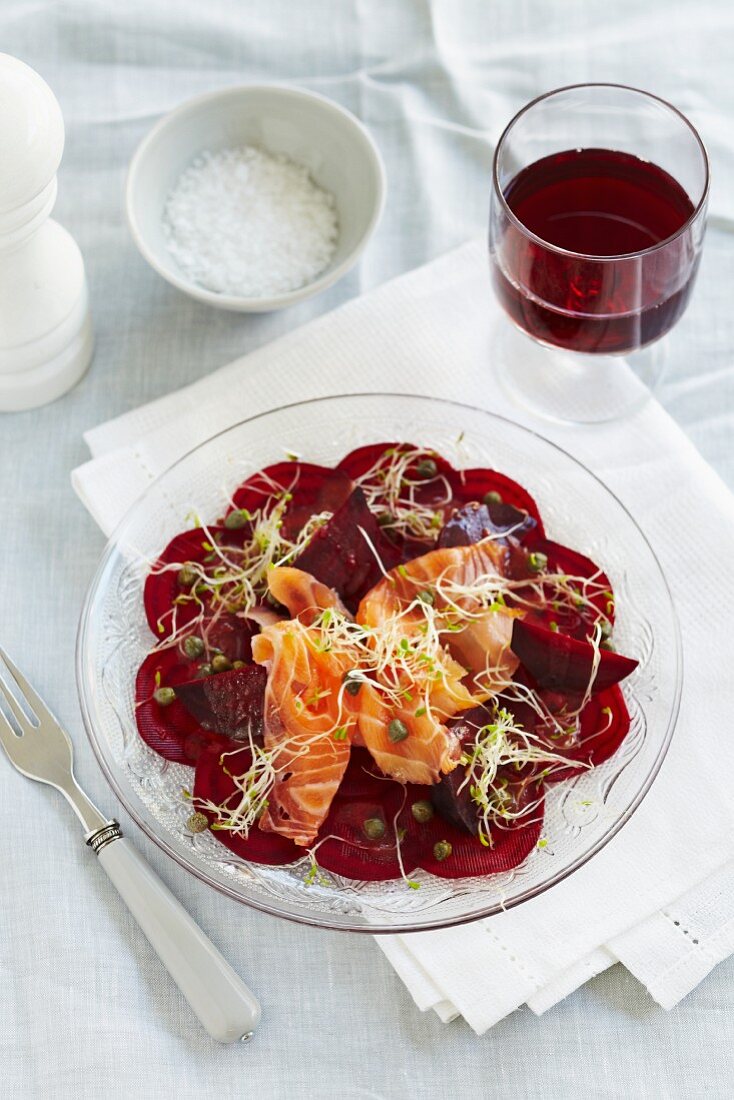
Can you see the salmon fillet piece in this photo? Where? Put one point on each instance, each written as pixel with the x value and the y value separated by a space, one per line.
pixel 306 725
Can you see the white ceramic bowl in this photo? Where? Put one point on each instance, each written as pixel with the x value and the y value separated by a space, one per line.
pixel 334 146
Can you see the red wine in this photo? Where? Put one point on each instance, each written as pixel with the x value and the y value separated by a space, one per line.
pixel 598 203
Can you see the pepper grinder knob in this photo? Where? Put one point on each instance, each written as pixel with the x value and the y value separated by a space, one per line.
pixel 45 329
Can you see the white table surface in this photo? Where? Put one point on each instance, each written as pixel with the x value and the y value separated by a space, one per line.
pixel 85 1008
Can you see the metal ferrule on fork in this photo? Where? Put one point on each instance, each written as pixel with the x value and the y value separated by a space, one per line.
pixel 100 838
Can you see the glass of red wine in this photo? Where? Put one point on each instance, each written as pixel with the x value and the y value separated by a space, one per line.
pixel 596 229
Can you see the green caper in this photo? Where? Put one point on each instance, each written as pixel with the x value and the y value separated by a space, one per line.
pixel 237 519
pixel 238 664
pixel 374 828
pixel 186 577
pixel 492 497
pixel 606 628
pixel 442 850
pixel 422 811
pixel 205 670
pixel 197 823
pixel 397 730
pixel 606 644
pixel 164 696
pixel 351 683
pixel 426 596
pixel 537 561
pixel 193 647
pixel 220 663
pixel 427 468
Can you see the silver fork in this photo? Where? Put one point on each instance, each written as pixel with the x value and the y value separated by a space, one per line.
pixel 40 749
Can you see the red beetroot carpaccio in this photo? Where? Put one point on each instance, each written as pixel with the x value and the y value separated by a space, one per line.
pixel 363 530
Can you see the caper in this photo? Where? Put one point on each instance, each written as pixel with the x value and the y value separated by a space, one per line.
pixel 220 663
pixel 204 670
pixel 238 664
pixel 351 683
pixel 427 468
pixel 397 730
pixel 606 628
pixel 492 497
pixel 164 696
pixel 374 828
pixel 606 644
pixel 442 850
pixel 422 811
pixel 186 577
pixel 237 519
pixel 197 823
pixel 193 647
pixel 537 561
pixel 426 596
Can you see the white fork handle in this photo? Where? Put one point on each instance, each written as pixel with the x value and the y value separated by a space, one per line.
pixel 220 999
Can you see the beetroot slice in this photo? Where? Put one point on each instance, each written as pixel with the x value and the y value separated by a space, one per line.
pixel 474 521
pixel 563 663
pixel 229 633
pixel 605 722
pixel 161 589
pixel 430 490
pixel 314 489
pixel 340 556
pixel 343 846
pixel 171 731
pixel 475 483
pixel 356 856
pixel 562 559
pixel 230 703
pixel 212 784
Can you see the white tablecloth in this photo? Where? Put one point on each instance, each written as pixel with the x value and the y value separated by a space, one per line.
pixel 85 1009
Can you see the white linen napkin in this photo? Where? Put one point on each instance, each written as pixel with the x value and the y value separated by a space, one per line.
pixel 660 897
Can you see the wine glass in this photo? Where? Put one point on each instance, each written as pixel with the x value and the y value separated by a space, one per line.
pixel 596 229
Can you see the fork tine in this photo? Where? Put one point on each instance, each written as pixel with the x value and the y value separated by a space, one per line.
pixel 34 701
pixel 14 706
pixel 8 736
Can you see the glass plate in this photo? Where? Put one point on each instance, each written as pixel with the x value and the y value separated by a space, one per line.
pixel 581 815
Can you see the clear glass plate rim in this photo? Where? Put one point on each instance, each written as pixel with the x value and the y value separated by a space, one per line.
pixel 304 917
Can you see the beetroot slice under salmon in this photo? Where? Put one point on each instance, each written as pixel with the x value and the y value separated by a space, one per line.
pixel 344 553
pixel 171 731
pixel 314 489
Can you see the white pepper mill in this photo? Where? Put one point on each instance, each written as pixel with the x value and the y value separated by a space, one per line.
pixel 45 330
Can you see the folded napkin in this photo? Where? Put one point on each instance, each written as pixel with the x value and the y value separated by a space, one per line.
pixel 660 897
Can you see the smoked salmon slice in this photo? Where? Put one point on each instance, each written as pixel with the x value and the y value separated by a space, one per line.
pixel 450 581
pixel 308 728
pixel 302 595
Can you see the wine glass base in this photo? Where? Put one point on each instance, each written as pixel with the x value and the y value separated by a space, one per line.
pixel 573 387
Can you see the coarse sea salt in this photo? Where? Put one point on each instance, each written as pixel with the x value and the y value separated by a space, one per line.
pixel 250 223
